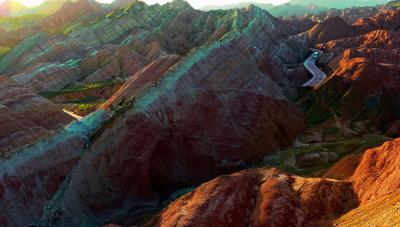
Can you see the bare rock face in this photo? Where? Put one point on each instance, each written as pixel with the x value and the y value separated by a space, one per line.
pixel 382 212
pixel 365 75
pixel 383 20
pixel 376 183
pixel 212 112
pixel 299 24
pixel 71 12
pixel 378 173
pixel 261 197
pixel 353 14
pixel 142 80
pixel 382 39
pixel 47 77
pixel 112 62
pixel 330 29
pixel 36 153
pixel 375 55
pixel 25 117
pixel 297 76
pixel 365 78
pixel 369 87
pixel 40 48
pixel 121 43
pixel 195 106
pixel 31 177
pixel 344 168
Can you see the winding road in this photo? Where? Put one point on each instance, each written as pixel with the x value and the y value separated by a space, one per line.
pixel 318 75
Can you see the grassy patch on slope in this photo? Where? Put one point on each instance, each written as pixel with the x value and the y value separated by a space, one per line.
pixel 285 159
pixel 78 88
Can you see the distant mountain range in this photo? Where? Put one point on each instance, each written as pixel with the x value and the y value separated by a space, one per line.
pixel 12 8
pixel 290 9
pixel 340 4
pixel 300 7
pixel 238 6
pixel 287 9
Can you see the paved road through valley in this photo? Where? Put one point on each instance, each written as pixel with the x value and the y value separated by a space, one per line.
pixel 318 75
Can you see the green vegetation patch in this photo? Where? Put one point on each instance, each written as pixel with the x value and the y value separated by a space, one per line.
pixel 15 23
pixel 314 112
pixel 285 160
pixel 86 106
pixel 78 88
pixel 4 51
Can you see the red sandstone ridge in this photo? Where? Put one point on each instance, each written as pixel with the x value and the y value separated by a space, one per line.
pixel 25 116
pixel 112 63
pixel 330 29
pixel 382 212
pixel 383 39
pixel 344 168
pixel 374 55
pixel 71 12
pixel 384 20
pixel 363 86
pixel 376 182
pixel 365 78
pixel 378 173
pixel 260 197
pixel 268 197
pixel 148 76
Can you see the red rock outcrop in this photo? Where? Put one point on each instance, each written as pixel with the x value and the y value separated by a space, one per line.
pixel 31 177
pixel 351 15
pixel 344 168
pixel 382 212
pixel 261 197
pixel 376 183
pixel 330 29
pixel 378 173
pixel 299 24
pixel 47 77
pixel 384 20
pixel 382 39
pixel 112 63
pixel 25 117
pixel 365 78
pixel 142 80
pixel 374 55
pixel 373 85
